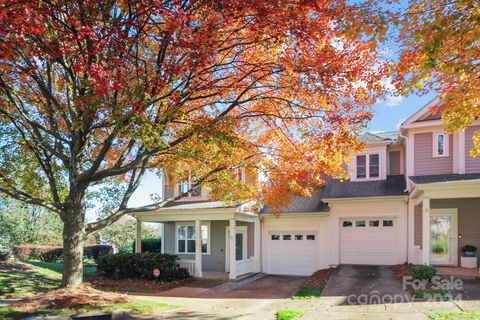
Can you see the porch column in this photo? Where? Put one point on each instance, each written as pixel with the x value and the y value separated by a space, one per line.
pixel 138 237
pixel 232 246
pixel 198 249
pixel 426 231
pixel 411 231
pixel 257 243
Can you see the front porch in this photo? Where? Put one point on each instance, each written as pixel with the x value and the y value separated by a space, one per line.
pixel 219 242
pixel 443 218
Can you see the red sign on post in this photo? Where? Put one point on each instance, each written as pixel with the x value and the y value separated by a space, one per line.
pixel 156 273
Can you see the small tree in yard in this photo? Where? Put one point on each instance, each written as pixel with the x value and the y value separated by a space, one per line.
pixel 95 92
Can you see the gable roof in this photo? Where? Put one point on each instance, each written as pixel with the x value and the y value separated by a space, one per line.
pixel 424 113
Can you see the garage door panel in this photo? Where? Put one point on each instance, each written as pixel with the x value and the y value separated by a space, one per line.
pixel 292 257
pixel 362 242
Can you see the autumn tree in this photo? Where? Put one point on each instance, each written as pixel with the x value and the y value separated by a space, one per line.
pixel 441 52
pixel 95 92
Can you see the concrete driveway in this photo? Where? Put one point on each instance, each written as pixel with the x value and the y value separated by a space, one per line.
pixel 267 287
pixel 365 285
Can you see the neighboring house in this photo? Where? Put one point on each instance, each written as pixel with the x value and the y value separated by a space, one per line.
pixel 408 190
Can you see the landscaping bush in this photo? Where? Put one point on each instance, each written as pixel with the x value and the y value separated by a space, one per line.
pixel 27 251
pixel 53 255
pixel 141 266
pixel 150 245
pixel 5 255
pixel 96 251
pixel 423 272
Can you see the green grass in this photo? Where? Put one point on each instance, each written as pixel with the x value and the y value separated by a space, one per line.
pixel 308 293
pixel 288 314
pixel 460 315
pixel 22 283
pixel 135 306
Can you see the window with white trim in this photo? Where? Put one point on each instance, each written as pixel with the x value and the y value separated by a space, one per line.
pixel 368 166
pixel 440 144
pixel 186 184
pixel 186 238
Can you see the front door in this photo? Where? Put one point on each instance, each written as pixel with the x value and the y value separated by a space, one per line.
pixel 240 245
pixel 443 238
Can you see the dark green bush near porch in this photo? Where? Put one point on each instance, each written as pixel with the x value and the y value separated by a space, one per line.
pixel 423 272
pixel 96 251
pixel 141 266
pixel 5 254
pixel 150 245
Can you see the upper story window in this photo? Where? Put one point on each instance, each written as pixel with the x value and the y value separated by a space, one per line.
pixel 440 145
pixel 368 166
pixel 186 184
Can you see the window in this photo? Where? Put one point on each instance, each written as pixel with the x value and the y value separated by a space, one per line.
pixel 186 184
pixel 361 167
pixel 347 223
pixel 374 165
pixel 310 237
pixel 373 223
pixel 440 145
pixel 388 223
pixel 299 237
pixel 287 237
pixel 368 166
pixel 360 223
pixel 186 238
pixel 275 237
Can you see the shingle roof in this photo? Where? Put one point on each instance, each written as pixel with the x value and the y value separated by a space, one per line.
pixel 444 178
pixel 392 186
pixel 192 205
pixel 379 136
pixel 302 204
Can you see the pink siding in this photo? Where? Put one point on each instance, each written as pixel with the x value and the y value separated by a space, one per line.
pixel 472 165
pixel 394 157
pixel 424 162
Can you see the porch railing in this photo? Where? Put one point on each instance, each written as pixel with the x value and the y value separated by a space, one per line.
pixel 189 265
pixel 245 266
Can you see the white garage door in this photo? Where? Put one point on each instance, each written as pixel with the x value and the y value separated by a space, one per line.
pixel 370 241
pixel 292 253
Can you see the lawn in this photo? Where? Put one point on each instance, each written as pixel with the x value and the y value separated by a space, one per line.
pixel 308 293
pixel 39 277
pixel 288 314
pixel 134 306
pixel 460 315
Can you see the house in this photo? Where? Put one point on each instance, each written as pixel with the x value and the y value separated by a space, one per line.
pixel 413 196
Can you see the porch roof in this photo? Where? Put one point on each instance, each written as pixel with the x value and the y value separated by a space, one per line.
pixel 444 178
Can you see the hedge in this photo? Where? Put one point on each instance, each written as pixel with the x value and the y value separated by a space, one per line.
pixel 5 255
pixel 55 254
pixel 141 266
pixel 150 245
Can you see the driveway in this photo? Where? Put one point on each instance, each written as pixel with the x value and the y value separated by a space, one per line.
pixel 268 287
pixel 365 285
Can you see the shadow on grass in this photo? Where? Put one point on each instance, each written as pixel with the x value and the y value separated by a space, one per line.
pixel 21 283
pixel 88 270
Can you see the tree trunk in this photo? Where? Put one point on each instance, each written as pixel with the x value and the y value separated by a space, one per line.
pixel 73 243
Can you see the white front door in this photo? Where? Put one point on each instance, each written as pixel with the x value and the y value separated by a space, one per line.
pixel 240 245
pixel 443 238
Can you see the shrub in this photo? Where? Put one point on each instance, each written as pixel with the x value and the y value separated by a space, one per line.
pixel 150 245
pixel 53 255
pixel 96 251
pixel 5 255
pixel 469 248
pixel 141 266
pixel 423 272
pixel 26 252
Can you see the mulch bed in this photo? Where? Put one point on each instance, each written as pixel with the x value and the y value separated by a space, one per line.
pixel 319 278
pixel 135 285
pixel 402 270
pixel 74 297
pixel 14 266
